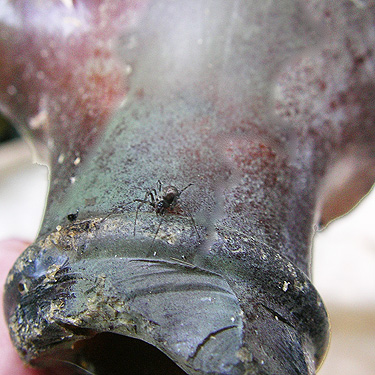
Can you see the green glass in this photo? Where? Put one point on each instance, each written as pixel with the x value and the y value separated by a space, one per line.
pixel 188 144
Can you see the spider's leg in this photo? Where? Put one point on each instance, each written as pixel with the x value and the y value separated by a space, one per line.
pixel 141 202
pixel 157 230
pixel 186 211
pixel 185 188
pixel 79 369
pixel 153 194
pixel 136 212
pixel 159 185
pixel 118 208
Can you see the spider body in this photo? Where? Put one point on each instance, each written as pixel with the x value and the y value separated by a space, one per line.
pixel 165 201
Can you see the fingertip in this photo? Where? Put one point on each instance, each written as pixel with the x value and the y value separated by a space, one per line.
pixel 10 363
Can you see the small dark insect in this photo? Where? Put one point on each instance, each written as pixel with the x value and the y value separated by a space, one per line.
pixel 73 217
pixel 161 200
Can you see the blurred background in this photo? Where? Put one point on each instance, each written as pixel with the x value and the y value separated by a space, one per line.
pixel 344 255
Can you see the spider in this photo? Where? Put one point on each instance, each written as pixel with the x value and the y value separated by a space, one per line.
pixel 161 200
